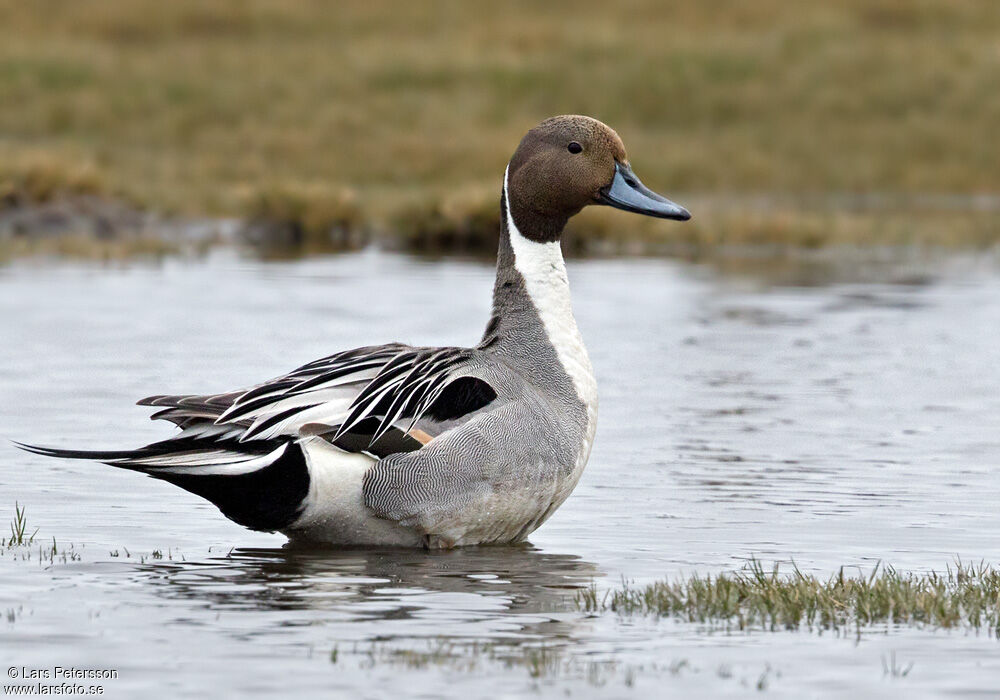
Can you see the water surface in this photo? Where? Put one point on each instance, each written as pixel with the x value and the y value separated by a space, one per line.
pixel 831 415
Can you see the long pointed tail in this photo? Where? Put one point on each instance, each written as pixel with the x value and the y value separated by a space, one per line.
pixel 260 485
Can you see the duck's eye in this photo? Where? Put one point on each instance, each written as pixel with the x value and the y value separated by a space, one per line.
pixel 574 147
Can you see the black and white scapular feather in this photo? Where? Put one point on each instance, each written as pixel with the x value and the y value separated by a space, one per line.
pixel 410 446
pixel 241 450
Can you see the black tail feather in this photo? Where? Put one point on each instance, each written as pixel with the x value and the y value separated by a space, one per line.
pixel 96 455
pixel 268 498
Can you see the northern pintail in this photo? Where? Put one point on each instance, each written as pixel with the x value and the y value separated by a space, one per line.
pixel 424 446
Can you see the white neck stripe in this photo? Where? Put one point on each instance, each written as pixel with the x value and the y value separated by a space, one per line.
pixel 544 272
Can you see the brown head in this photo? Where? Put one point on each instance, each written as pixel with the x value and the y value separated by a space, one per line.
pixel 568 162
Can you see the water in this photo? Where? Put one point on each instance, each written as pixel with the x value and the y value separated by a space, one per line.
pixel 839 414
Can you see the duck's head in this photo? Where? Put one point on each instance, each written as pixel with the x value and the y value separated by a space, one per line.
pixel 568 162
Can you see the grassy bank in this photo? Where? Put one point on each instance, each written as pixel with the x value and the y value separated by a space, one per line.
pixel 282 112
pixel 471 225
pixel 964 596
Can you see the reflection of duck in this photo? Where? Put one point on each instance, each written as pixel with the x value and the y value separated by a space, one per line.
pixel 527 579
pixel 400 445
pixel 374 595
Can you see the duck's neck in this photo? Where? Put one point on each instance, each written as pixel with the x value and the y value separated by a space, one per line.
pixel 531 303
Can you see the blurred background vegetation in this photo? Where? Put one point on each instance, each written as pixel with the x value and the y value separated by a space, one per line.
pixel 778 122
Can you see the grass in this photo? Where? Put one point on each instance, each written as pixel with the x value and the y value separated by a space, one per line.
pixel 31 177
pixel 20 542
pixel 964 596
pixel 310 218
pixel 398 117
pixel 754 598
pixel 18 545
pixel 19 536
pixel 543 663
pixel 539 662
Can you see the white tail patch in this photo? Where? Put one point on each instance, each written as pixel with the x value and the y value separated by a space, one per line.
pixel 334 512
pixel 214 463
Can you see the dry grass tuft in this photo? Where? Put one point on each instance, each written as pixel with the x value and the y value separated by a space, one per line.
pixel 303 218
pixel 39 177
pixel 467 222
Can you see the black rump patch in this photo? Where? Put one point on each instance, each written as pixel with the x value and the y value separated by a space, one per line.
pixel 268 499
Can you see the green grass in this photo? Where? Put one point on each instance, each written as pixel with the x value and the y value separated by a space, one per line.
pixel 19 536
pixel 756 598
pixel 18 547
pixel 267 107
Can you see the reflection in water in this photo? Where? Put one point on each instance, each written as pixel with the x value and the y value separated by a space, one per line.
pixel 503 589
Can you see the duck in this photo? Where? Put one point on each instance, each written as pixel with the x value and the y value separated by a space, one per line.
pixel 435 447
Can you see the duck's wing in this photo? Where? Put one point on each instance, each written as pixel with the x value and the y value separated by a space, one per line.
pixel 354 398
pixel 241 450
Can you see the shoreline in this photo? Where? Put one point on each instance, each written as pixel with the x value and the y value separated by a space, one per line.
pixel 751 226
